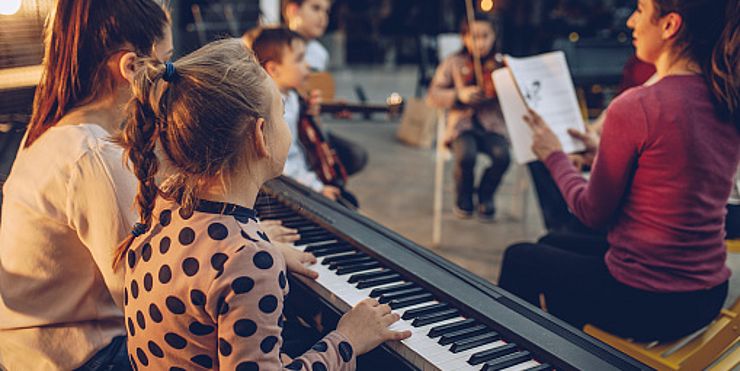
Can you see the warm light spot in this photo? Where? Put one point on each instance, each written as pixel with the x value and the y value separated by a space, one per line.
pixel 597 89
pixel 486 5
pixel 574 37
pixel 394 99
pixel 9 7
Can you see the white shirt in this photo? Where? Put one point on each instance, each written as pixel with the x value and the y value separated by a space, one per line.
pixel 317 56
pixel 296 165
pixel 68 203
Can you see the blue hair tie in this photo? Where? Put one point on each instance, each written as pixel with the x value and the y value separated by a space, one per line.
pixel 169 71
pixel 139 229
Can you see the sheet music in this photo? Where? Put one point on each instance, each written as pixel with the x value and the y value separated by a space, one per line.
pixel 543 83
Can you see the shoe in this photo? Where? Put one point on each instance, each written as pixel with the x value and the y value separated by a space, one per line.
pixel 486 211
pixel 463 208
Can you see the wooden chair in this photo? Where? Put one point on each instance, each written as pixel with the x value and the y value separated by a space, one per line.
pixel 694 352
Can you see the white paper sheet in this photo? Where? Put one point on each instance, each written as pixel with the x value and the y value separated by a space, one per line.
pixel 544 82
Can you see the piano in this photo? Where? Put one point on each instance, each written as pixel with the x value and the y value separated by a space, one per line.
pixel 459 321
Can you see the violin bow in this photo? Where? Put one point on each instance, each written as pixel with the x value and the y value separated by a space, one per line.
pixel 476 56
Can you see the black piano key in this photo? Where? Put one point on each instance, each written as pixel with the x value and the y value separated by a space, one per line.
pixel 451 327
pixel 277 214
pixel 357 268
pixel 377 281
pixel 454 336
pixel 297 223
pixel 313 239
pixel 507 361
pixel 363 276
pixel 475 341
pixel 331 251
pixel 311 228
pixel 345 263
pixel 313 248
pixel 338 258
pixel 487 355
pixel 427 309
pixel 314 233
pixel 435 317
pixel 411 300
pixel 542 367
pixel 390 289
pixel 399 294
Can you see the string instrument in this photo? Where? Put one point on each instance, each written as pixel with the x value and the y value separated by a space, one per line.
pixel 321 157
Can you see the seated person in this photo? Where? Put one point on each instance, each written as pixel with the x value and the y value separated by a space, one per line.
pixel 204 286
pixel 281 52
pixel 475 123
pixel 660 181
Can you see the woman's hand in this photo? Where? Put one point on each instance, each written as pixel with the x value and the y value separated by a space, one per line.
pixel 366 326
pixel 544 141
pixel 591 140
pixel 331 192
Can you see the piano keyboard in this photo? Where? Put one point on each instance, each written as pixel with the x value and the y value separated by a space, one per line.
pixel 444 334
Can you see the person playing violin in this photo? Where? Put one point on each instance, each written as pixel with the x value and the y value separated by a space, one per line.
pixel 474 121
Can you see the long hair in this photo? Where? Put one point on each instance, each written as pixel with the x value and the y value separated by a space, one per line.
pixel 710 36
pixel 80 37
pixel 201 119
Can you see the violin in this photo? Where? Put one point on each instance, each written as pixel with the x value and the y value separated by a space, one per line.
pixel 321 157
pixel 488 65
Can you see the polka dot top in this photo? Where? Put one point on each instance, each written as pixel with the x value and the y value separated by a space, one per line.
pixel 205 290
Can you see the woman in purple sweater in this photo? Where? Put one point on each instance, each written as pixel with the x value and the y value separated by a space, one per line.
pixel 662 176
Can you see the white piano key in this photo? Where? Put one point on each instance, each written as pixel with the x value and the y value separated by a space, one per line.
pixel 460 360
pixel 523 366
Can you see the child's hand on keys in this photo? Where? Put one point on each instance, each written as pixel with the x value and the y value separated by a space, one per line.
pixel 366 325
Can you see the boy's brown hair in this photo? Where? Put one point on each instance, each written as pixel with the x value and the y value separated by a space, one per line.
pixel 270 43
pixel 199 112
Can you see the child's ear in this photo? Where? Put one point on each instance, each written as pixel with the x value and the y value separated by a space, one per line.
pixel 126 66
pixel 260 143
pixel 272 69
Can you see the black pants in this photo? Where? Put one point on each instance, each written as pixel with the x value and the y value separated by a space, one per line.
pixel 465 149
pixel 352 155
pixel 113 357
pixel 579 289
pixel 732 223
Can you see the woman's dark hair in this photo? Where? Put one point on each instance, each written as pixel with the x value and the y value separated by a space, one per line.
pixel 200 113
pixel 710 36
pixel 80 37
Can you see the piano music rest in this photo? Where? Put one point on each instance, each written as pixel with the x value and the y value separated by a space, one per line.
pixel 694 352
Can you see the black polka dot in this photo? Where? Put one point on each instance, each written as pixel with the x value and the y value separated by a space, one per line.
pixel 263 260
pixel 345 350
pixel 176 341
pixel 321 346
pixel 134 289
pixel 263 236
pixel 125 296
pixel 164 244
pixel 155 350
pixel 148 282
pixel 268 344
pixel 131 328
pixel 146 252
pixel 140 320
pixel 175 305
pixel 154 313
pixel 197 297
pixel 199 329
pixel 177 369
pixel 245 327
pixel 248 237
pixel 165 274
pixel 185 214
pixel 217 231
pixel 190 266
pixel 165 217
pixel 223 306
pixel 202 360
pixel 268 303
pixel 247 366
pixel 217 262
pixel 295 365
pixel 131 259
pixel 242 285
pixel 224 347
pixel 133 363
pixel 318 366
pixel 142 357
pixel 281 280
pixel 186 236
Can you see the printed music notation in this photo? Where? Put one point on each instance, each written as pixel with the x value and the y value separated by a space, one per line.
pixel 542 83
